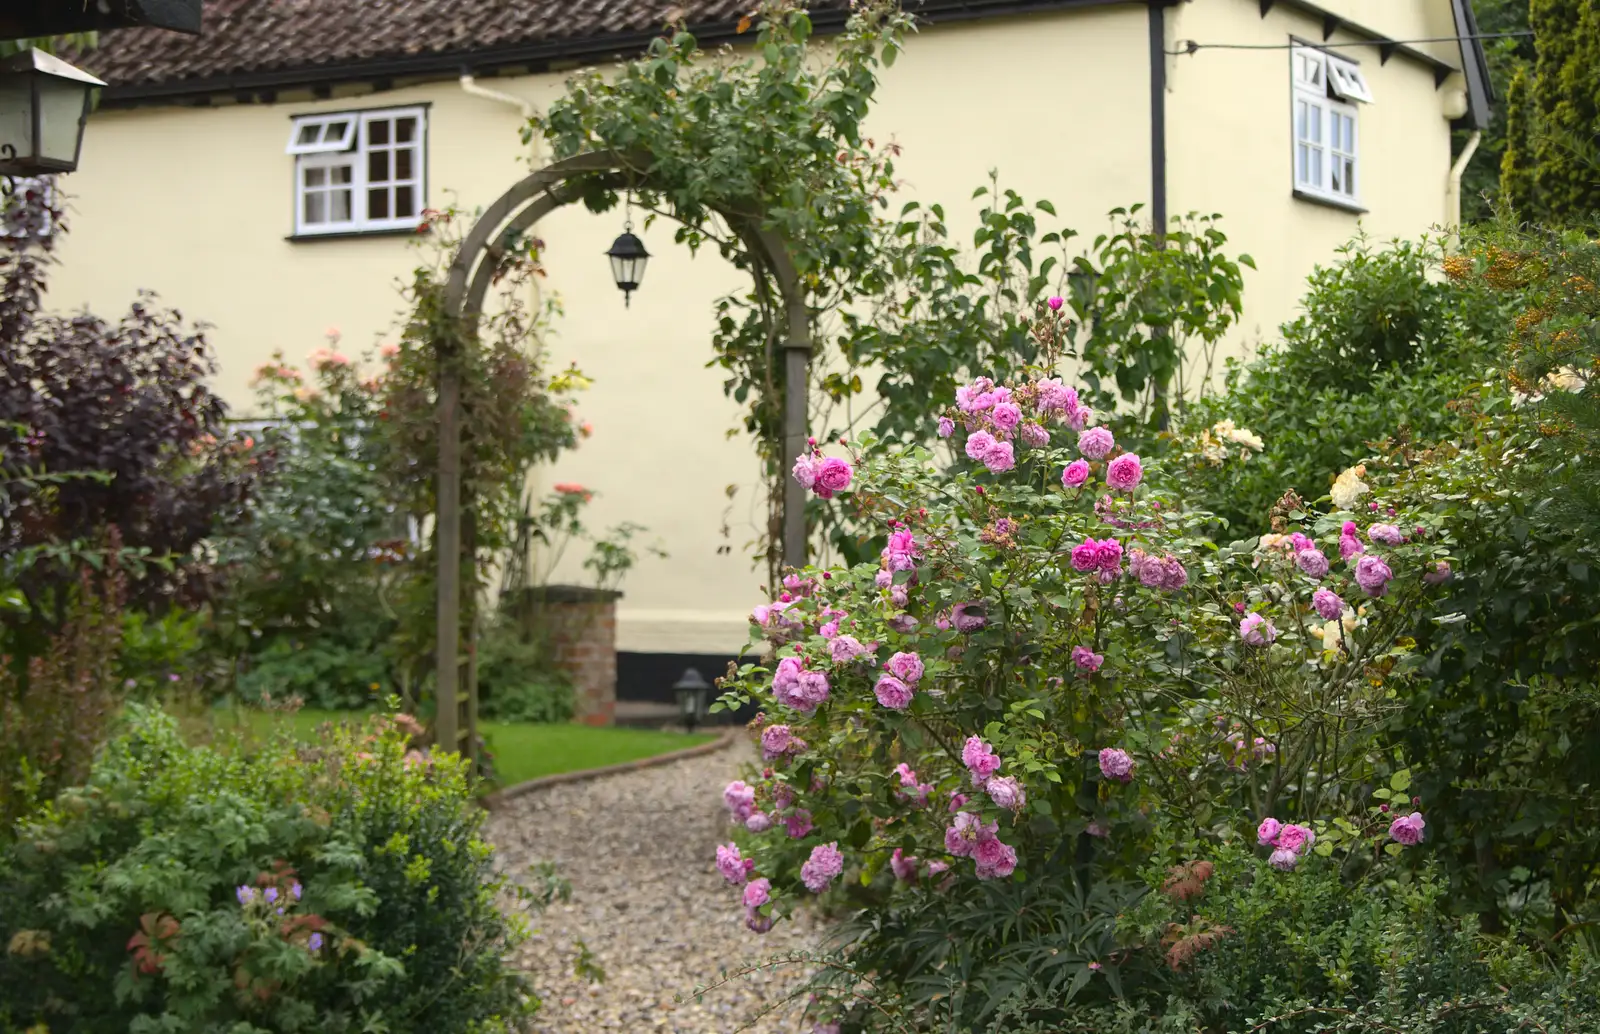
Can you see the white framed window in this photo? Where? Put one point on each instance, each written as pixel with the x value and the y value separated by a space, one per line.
pixel 359 171
pixel 1327 163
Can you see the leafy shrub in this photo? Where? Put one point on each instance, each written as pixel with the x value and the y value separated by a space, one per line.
pixel 1049 678
pixel 1506 728
pixel 1382 351
pixel 127 402
pixel 140 901
pixel 1241 947
pixel 337 670
pixel 516 682
pixel 55 708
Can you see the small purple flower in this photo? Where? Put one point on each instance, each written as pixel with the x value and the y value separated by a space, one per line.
pixel 947 427
pixel 1312 561
pixel 1327 604
pixel 980 759
pixel 270 894
pixel 1086 660
pixel 1257 630
pixel 245 895
pixel 822 868
pixel 798 824
pixel 1385 534
pixel 1283 860
pixel 1096 443
pixel 734 868
pixel 968 831
pixel 1055 303
pixel 1076 474
pixel 1006 792
pixel 845 648
pixel 314 942
pixel 968 617
pixel 740 799
pixel 995 860
pixel 1116 764
pixel 1373 575
pixel 778 741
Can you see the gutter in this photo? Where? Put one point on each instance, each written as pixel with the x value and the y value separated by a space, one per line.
pixel 526 58
pixel 1158 115
pixel 1452 193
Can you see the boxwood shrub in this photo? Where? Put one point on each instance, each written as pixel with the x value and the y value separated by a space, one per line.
pixel 342 886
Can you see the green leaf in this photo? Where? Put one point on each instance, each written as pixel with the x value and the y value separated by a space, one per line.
pixel 1400 782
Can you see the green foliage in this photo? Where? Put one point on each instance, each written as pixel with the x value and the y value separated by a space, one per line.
pixel 1381 351
pixel 1547 173
pixel 1067 660
pixel 775 141
pixel 123 909
pixel 1506 57
pixel 517 682
pixel 56 707
pixel 1517 162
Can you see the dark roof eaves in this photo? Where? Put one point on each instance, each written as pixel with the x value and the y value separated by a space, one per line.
pixel 586 50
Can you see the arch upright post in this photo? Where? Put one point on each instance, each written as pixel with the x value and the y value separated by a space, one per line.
pixel 471 273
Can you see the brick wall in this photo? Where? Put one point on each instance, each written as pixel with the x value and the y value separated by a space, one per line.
pixel 580 626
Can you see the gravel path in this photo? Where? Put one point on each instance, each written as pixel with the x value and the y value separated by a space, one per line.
pixel 639 850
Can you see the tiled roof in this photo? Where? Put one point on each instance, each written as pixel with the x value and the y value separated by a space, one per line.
pixel 263 44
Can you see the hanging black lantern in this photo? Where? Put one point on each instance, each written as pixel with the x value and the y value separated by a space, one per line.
pixel 628 259
pixel 44 103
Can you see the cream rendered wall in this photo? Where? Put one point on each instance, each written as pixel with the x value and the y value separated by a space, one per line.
pixel 1229 146
pixel 196 203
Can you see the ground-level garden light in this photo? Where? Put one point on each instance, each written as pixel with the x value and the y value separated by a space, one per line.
pixel 692 690
pixel 628 258
pixel 44 103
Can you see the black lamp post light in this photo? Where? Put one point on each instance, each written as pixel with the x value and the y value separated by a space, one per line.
pixel 44 104
pixel 628 259
pixel 693 692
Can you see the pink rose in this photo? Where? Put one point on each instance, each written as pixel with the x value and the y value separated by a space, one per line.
pixel 1096 443
pixel 1124 473
pixel 892 693
pixel 1407 829
pixel 1267 832
pixel 1076 474
pixel 834 474
pixel 905 666
pixel 1296 838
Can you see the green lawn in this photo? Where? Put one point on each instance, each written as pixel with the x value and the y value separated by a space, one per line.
pixel 521 752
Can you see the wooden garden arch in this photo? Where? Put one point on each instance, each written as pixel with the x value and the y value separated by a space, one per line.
pixel 471 274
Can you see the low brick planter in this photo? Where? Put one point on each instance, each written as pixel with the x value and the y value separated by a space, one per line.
pixel 579 624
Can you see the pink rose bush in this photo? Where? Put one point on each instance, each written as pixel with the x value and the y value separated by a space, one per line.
pixel 1058 674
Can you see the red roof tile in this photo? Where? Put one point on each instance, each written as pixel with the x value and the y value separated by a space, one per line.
pixel 262 44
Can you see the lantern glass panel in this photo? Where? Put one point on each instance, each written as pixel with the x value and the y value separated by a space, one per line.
pixel 61 110
pixel 16 116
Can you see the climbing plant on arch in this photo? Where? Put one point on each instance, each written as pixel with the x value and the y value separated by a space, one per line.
pixel 763 159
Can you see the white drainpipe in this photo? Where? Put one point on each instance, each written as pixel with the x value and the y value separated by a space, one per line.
pixel 1453 189
pixel 470 86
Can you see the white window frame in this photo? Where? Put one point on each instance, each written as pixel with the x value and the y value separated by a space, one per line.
pixel 1325 126
pixel 353 149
